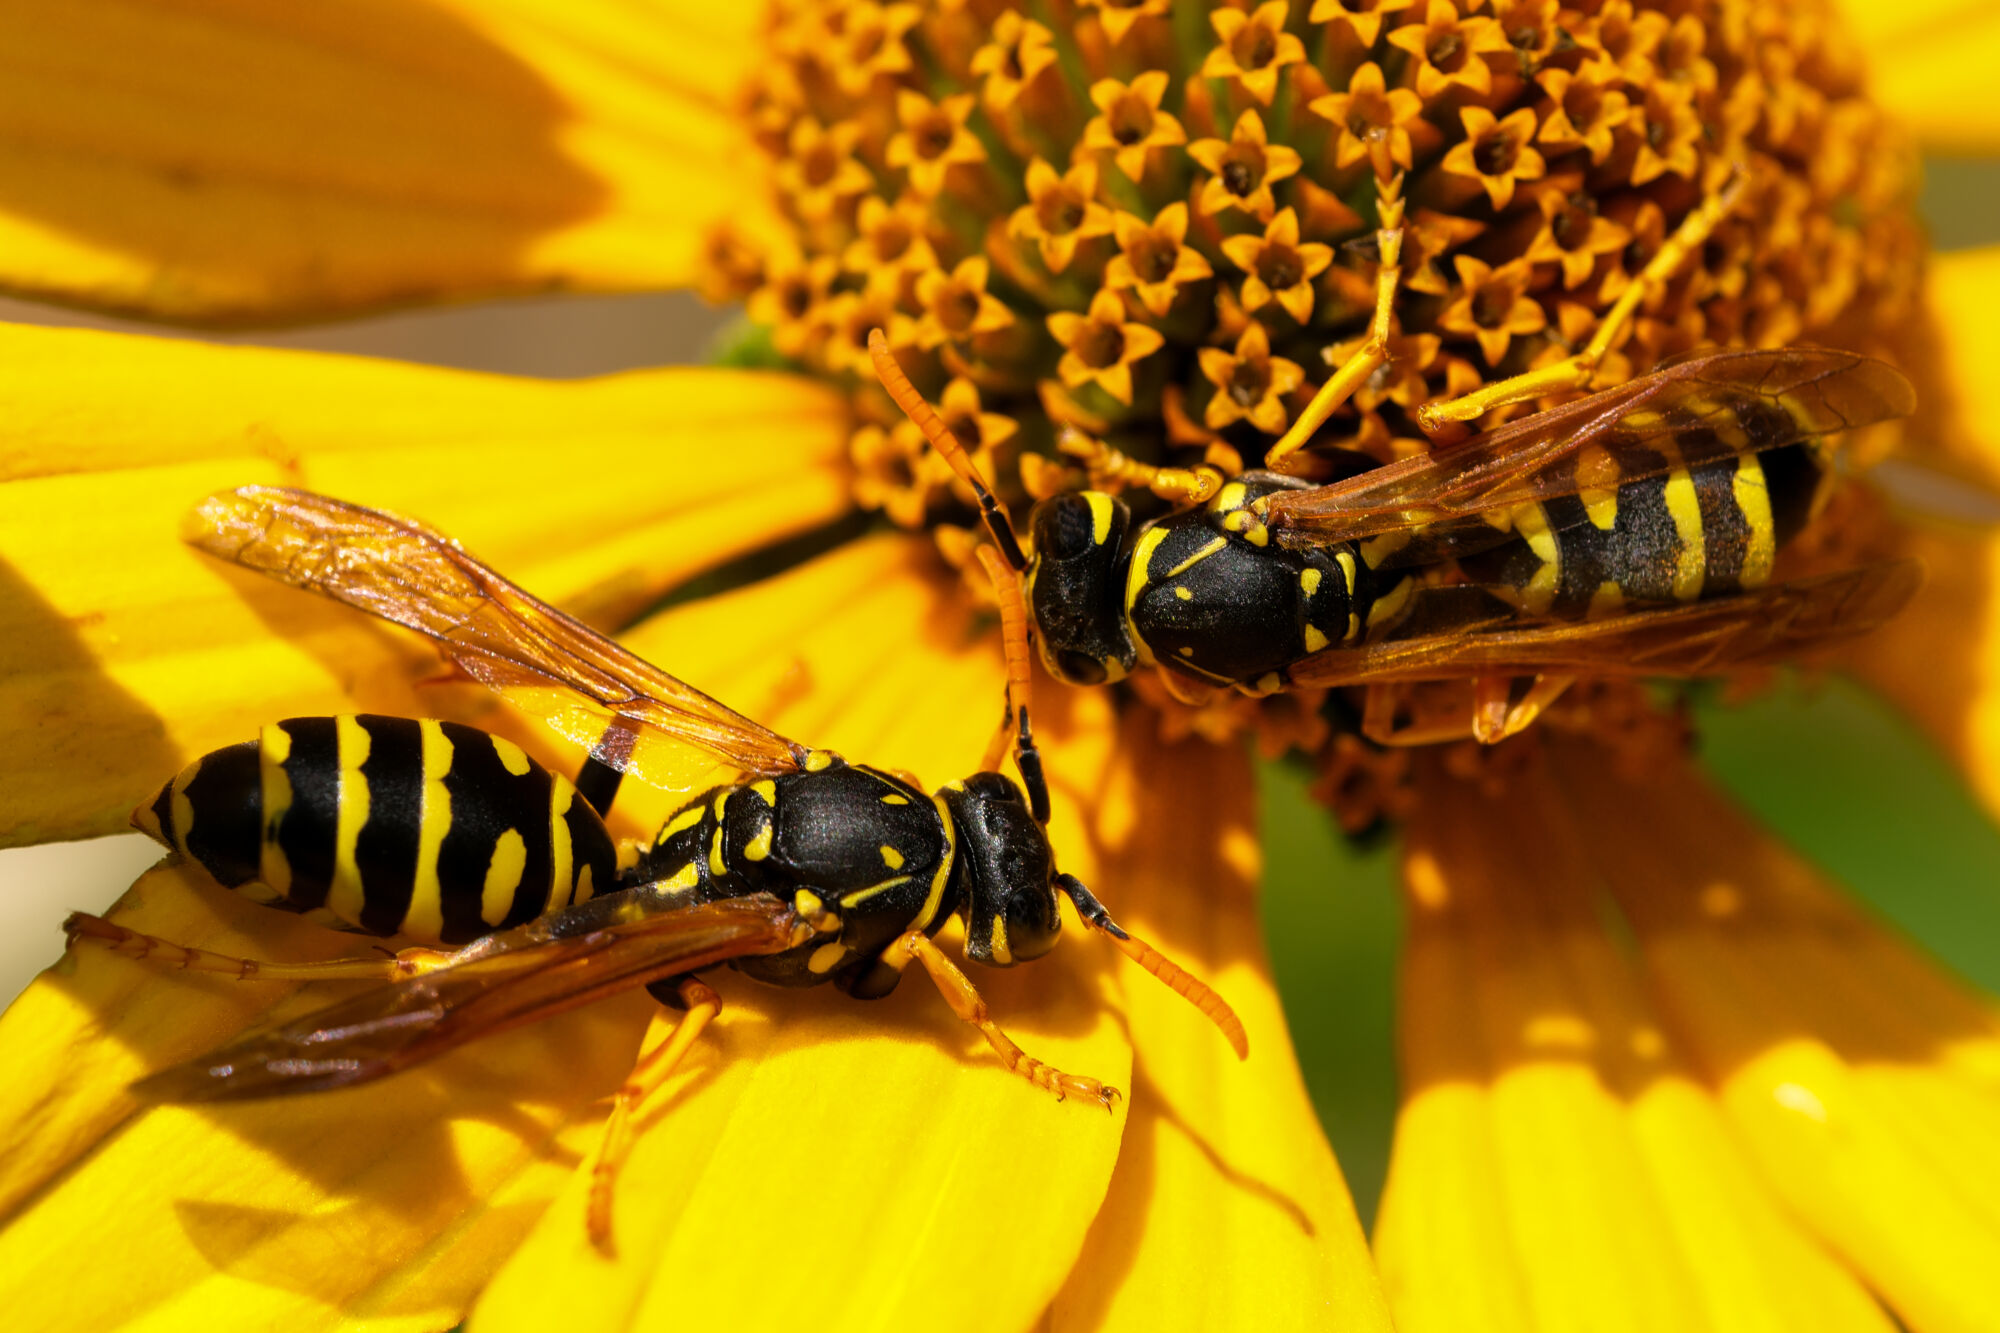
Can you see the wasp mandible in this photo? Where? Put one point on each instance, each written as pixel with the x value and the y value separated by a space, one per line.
pixel 804 869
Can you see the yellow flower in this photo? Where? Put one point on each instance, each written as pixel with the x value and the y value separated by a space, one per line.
pixel 398 1203
pixel 1250 383
pixel 1101 346
pixel 1243 170
pixel 1733 1117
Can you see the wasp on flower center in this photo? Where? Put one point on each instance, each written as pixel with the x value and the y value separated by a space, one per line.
pixel 1634 532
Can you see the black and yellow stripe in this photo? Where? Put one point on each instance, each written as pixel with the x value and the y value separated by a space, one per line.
pixel 395 826
pixel 1709 523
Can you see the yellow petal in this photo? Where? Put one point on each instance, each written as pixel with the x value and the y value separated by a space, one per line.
pixel 1952 413
pixel 1862 1080
pixel 123 653
pixel 1940 659
pixel 821 1162
pixel 377 1207
pixel 1558 1161
pixel 232 162
pixel 1227 1209
pixel 388 1206
pixel 1927 62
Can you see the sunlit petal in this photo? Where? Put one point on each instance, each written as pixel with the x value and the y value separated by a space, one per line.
pixel 123 653
pixel 1862 1080
pixel 1227 1209
pixel 233 162
pixel 1559 1161
pixel 1959 293
pixel 1940 659
pixel 1927 63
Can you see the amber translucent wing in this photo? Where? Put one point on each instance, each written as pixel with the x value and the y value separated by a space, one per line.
pixel 1714 635
pixel 567 674
pixel 1710 407
pixel 504 981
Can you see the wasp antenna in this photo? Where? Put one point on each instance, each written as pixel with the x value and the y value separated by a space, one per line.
pixel 1014 728
pixel 1177 978
pixel 1190 988
pixel 932 425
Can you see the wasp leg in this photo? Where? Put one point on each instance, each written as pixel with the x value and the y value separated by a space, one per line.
pixel 1113 469
pixel 1577 371
pixel 668 1039
pixel 963 997
pixel 82 928
pixel 1496 715
pixel 1370 357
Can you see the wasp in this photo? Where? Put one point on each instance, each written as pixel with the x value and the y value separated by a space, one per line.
pixel 1632 532
pixel 802 870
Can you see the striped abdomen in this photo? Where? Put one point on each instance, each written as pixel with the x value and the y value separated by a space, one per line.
pixel 1705 529
pixel 427 829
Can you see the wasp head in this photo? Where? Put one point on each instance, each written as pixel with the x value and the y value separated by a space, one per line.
pixel 1076 586
pixel 1006 872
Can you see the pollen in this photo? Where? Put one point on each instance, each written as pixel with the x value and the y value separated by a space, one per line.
pixel 1161 229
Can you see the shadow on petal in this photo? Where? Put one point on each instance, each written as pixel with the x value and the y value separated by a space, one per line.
pixel 52 677
pixel 110 440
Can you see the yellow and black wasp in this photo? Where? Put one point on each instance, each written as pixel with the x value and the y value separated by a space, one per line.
pixel 802 869
pixel 1633 532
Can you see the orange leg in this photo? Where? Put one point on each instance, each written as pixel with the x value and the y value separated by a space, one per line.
pixel 1400 713
pixel 667 1041
pixel 1496 716
pixel 1113 469
pixel 82 928
pixel 1370 357
pixel 964 999
pixel 1576 372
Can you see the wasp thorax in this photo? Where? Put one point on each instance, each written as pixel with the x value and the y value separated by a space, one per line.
pixel 1006 873
pixel 1076 585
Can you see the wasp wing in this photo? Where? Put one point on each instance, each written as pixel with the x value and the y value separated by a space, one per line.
pixel 503 981
pixel 1724 405
pixel 1718 634
pixel 581 683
